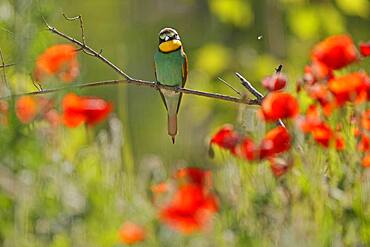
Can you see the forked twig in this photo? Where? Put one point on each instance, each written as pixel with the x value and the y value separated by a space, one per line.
pixel 79 18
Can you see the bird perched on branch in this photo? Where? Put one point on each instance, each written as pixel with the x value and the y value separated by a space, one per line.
pixel 171 69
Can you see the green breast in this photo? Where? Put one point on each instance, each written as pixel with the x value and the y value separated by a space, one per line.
pixel 168 67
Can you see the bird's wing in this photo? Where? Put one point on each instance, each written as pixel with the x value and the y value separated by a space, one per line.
pixel 160 92
pixel 184 76
pixel 184 69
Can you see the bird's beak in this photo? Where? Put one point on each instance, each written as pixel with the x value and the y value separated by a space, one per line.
pixel 167 38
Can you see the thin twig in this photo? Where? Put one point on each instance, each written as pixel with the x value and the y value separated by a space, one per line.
pixel 3 67
pixel 79 18
pixel 7 65
pixel 139 83
pixel 229 85
pixel 249 87
pixel 36 84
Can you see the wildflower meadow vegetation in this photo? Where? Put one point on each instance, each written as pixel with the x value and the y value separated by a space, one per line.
pixel 283 162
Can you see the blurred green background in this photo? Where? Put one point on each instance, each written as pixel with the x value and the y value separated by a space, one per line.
pixel 220 37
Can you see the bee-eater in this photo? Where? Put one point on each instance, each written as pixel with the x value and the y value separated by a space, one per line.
pixel 171 69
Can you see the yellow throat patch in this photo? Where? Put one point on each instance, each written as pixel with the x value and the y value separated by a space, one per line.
pixel 170 45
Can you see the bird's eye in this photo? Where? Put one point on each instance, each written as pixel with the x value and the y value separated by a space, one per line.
pixel 172 35
pixel 162 36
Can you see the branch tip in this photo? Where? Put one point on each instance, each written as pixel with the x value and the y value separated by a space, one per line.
pixel 250 87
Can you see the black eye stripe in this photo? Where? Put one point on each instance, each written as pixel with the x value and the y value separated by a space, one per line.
pixel 171 35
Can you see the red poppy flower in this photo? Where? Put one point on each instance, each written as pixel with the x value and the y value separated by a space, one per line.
pixel 319 92
pixel 356 132
pixel 351 87
pixel 322 134
pixel 275 141
pixel 339 143
pixel 312 119
pixel 335 52
pixel 366 161
pixel 226 138
pixel 279 166
pixel 60 60
pixel 247 149
pixel 89 110
pixel 364 143
pixel 317 71
pixel 190 209
pixel 278 105
pixel 26 109
pixel 29 107
pixel 275 82
pixel 159 188
pixel 365 120
pixel 194 175
pixel 365 48
pixel 131 233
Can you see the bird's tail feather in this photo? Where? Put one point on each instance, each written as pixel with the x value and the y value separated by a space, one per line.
pixel 172 126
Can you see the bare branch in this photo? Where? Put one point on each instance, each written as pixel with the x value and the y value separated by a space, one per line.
pixel 140 83
pixel 249 87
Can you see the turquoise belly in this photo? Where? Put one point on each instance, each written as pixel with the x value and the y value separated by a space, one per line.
pixel 169 67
